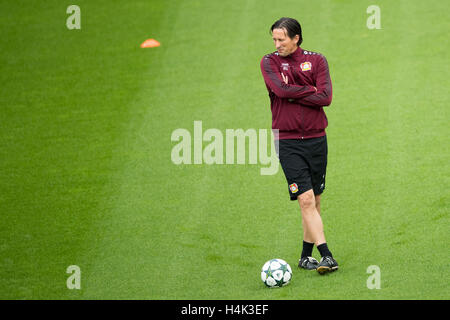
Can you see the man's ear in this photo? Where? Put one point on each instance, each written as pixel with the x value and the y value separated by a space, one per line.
pixel 297 37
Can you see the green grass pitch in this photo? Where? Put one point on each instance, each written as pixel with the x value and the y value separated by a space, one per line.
pixel 86 176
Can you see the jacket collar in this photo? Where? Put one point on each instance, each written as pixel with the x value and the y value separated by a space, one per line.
pixel 298 52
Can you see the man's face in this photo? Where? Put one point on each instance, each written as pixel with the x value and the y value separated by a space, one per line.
pixel 284 45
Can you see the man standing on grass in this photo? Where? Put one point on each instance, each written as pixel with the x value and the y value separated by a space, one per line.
pixel 299 87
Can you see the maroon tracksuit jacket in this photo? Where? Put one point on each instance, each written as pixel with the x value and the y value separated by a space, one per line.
pixel 297 109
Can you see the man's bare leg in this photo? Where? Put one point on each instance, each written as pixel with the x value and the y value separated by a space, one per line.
pixel 313 231
pixel 312 228
pixel 318 203
pixel 311 219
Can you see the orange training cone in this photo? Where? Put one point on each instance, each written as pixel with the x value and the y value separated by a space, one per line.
pixel 150 43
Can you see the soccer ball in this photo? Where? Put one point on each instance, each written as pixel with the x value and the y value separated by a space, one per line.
pixel 276 273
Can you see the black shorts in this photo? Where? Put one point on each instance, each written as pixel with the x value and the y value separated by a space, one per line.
pixel 304 162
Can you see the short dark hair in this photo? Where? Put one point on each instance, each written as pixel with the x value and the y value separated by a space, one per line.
pixel 292 27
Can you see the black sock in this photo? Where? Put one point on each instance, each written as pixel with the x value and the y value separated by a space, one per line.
pixel 323 249
pixel 307 249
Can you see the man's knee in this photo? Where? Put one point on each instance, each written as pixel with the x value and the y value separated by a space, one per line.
pixel 307 200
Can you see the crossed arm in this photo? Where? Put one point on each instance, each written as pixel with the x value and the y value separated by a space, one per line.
pixel 312 96
pixel 277 84
pixel 323 95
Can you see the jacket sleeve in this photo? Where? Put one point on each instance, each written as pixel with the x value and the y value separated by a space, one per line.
pixel 275 83
pixel 323 96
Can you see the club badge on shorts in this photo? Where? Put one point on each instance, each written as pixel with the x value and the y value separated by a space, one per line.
pixel 293 187
pixel 306 66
